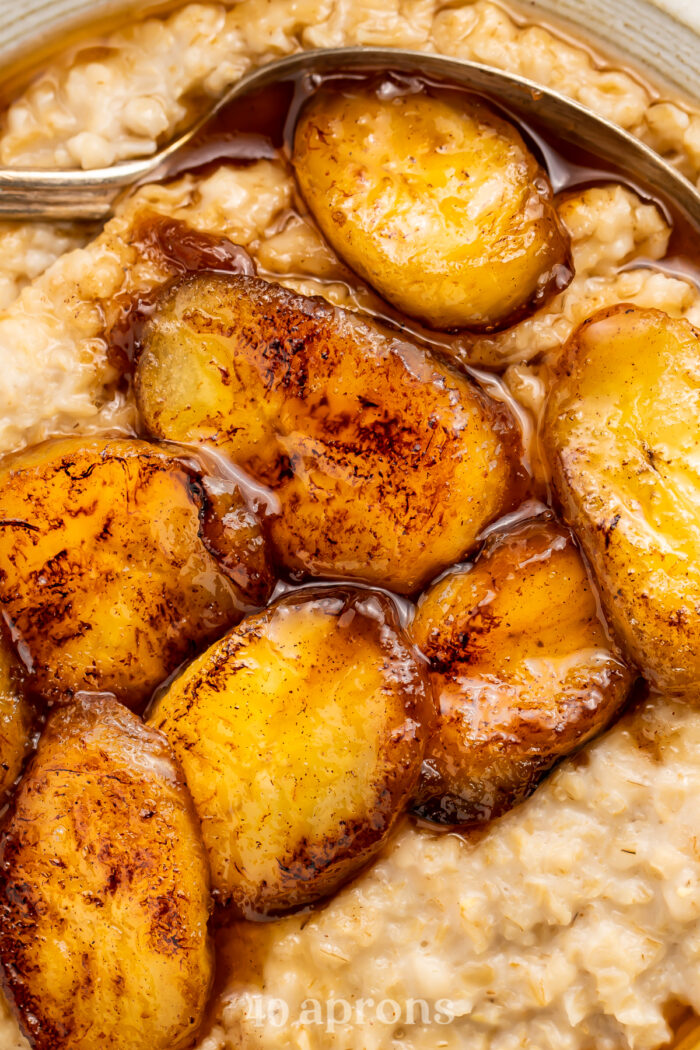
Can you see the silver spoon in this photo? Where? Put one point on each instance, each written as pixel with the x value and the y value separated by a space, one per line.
pixel 76 194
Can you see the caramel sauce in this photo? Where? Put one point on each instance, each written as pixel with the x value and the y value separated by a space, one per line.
pixel 179 249
pixel 256 128
pixel 259 128
pixel 261 125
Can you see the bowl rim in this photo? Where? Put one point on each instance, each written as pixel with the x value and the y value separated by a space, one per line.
pixel 657 39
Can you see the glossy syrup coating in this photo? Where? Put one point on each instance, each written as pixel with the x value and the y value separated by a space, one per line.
pixel 107 574
pixel 17 720
pixel 434 200
pixel 523 671
pixel 104 889
pixel 301 736
pixel 386 464
pixel 622 437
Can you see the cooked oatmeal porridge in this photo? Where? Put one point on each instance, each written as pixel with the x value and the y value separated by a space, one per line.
pixel 572 922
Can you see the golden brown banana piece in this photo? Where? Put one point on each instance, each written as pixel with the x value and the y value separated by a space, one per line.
pixel 104 900
pixel 17 720
pixel 434 200
pixel 301 735
pixel 106 572
pixel 523 671
pixel 622 437
pixel 386 464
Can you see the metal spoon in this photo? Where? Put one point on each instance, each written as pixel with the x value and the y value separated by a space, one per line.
pixel 76 194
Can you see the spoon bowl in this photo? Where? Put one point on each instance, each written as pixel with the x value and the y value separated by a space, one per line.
pixel 77 194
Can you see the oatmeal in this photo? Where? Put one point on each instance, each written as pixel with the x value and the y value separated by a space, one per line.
pixel 144 85
pixel 575 918
pixel 572 922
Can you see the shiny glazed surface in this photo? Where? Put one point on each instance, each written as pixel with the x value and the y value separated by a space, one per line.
pixel 104 889
pixel 301 735
pixel 385 463
pixel 622 438
pixel 432 199
pixel 571 921
pixel 17 718
pixel 523 671
pixel 106 575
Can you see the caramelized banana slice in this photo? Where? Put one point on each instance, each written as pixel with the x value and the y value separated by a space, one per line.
pixel 104 889
pixel 435 201
pixel 16 720
pixel 523 671
pixel 622 436
pixel 386 464
pixel 105 570
pixel 301 736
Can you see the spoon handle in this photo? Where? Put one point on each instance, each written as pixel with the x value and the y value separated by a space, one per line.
pixel 77 194
pixel 65 195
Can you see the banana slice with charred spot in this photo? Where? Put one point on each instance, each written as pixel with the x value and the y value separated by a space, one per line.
pixel 104 889
pixel 523 671
pixel 301 735
pixel 622 437
pixel 17 720
pixel 107 574
pixel 386 463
